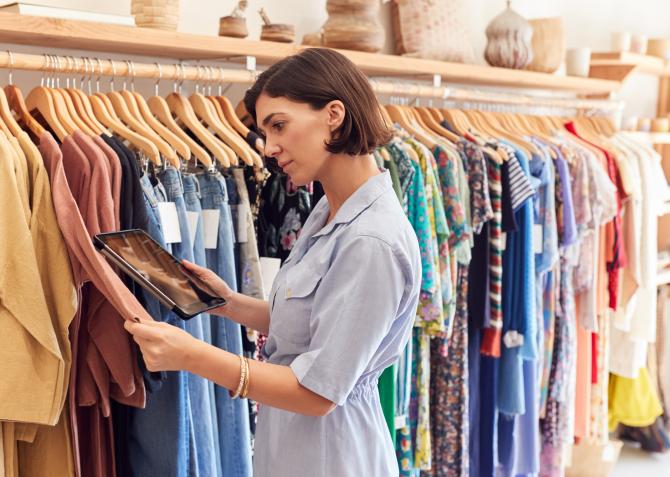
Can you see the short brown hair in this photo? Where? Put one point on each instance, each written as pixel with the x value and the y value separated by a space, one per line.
pixel 317 76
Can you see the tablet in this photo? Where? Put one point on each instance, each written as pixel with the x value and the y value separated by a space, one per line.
pixel 158 271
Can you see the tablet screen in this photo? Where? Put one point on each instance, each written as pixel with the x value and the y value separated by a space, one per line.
pixel 151 265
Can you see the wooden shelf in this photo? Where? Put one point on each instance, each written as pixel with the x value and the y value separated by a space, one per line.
pixel 618 66
pixel 90 36
pixel 653 138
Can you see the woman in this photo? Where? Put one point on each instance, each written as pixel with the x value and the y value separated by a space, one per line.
pixel 342 306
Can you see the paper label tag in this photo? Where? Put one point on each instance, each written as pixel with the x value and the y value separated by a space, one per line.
pixel 503 241
pixel 513 339
pixel 401 421
pixel 193 218
pixel 242 222
pixel 537 238
pixel 269 270
pixel 167 211
pixel 210 223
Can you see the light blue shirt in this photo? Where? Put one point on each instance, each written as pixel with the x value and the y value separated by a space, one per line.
pixel 341 310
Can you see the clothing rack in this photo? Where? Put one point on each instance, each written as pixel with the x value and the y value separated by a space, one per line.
pixel 207 74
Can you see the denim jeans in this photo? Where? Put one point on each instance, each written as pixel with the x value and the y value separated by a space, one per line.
pixel 232 415
pixel 198 389
pixel 158 442
pixel 192 202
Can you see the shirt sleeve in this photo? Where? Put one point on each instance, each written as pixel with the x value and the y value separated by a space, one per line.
pixel 353 313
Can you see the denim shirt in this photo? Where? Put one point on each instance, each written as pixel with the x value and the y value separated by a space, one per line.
pixel 342 309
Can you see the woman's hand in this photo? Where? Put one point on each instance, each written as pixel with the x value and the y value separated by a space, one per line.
pixel 212 279
pixel 164 347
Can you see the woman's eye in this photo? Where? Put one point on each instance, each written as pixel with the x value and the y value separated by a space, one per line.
pixel 278 126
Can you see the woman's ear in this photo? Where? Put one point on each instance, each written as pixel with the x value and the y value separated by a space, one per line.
pixel 335 111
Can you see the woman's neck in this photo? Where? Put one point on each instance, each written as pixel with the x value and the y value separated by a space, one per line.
pixel 343 176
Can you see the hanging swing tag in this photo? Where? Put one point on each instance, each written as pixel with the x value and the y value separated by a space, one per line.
pixel 251 63
pixel 437 81
pixel 193 218
pixel 210 222
pixel 167 211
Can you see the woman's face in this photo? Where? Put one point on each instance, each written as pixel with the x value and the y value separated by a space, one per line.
pixel 296 135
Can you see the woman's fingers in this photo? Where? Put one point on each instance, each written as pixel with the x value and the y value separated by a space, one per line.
pixel 197 269
pixel 146 330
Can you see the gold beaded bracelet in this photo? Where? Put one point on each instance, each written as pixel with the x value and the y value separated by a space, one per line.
pixel 243 378
pixel 245 390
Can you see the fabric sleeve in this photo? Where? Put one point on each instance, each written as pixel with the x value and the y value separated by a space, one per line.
pixel 353 313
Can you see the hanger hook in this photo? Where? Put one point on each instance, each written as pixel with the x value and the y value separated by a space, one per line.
pixel 182 69
pixel 132 82
pixel 111 80
pixel 160 76
pixel 97 79
pixel 11 66
pixel 221 76
pixel 44 67
pixel 67 69
pixel 197 79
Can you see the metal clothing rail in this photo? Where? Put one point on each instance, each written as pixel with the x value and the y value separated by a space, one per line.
pixel 206 74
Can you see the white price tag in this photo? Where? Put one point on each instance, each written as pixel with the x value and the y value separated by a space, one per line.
pixel 167 211
pixel 269 269
pixel 538 237
pixel 503 241
pixel 401 421
pixel 609 453
pixel 513 339
pixel 210 222
pixel 251 63
pixel 193 218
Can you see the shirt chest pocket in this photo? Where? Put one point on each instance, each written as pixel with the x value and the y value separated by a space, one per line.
pixel 293 305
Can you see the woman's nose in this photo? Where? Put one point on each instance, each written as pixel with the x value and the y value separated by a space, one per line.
pixel 272 149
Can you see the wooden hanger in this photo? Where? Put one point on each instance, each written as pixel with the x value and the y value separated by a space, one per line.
pixel 161 111
pixel 103 114
pixel 183 110
pixel 134 123
pixel 398 115
pixel 435 126
pixel 18 105
pixel 218 111
pixel 40 100
pixel 82 105
pixel 204 110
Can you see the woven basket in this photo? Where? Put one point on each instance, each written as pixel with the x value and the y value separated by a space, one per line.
pixel 161 14
pixel 434 29
pixel 353 25
pixel 548 44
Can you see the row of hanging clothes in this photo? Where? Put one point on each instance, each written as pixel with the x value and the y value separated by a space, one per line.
pixel 525 223
pixel 538 247
pixel 75 397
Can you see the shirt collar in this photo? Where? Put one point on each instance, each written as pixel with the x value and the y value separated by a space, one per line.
pixel 360 200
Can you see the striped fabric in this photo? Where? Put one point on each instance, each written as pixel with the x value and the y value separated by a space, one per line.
pixel 520 187
pixel 491 341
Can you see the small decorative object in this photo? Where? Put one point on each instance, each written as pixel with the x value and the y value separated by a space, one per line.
pixel 313 39
pixel 644 124
pixel 659 47
pixel 161 14
pixel 509 40
pixel 235 24
pixel 276 31
pixel 621 41
pixel 639 44
pixel 578 62
pixel 660 125
pixel 548 44
pixel 433 29
pixel 353 25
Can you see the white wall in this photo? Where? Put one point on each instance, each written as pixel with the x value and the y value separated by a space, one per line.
pixel 587 23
